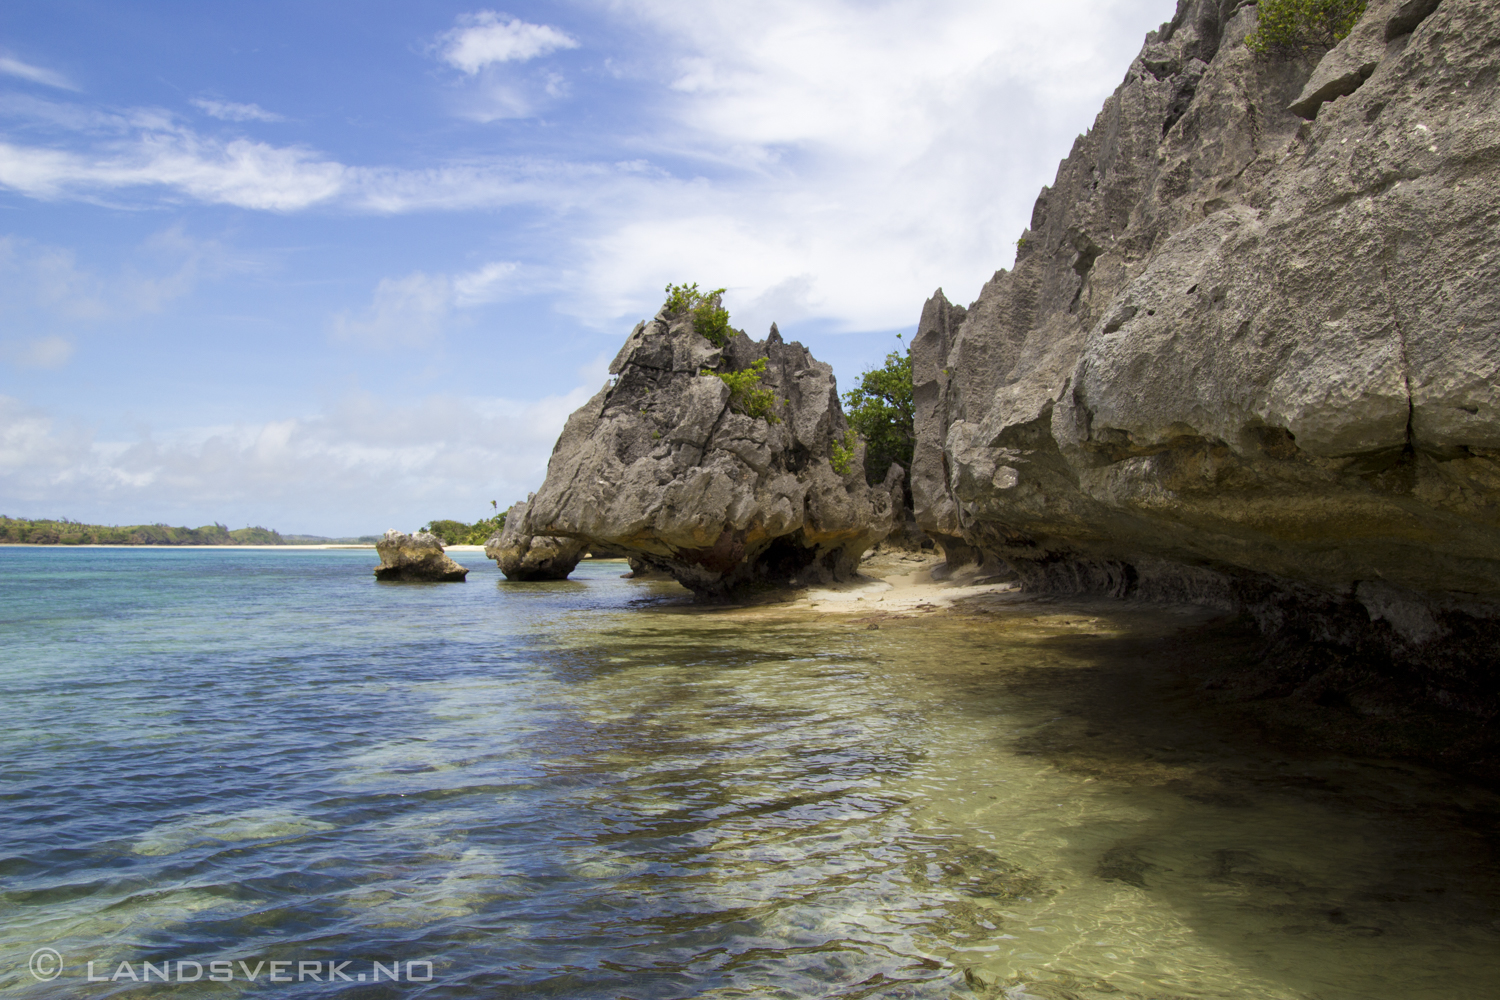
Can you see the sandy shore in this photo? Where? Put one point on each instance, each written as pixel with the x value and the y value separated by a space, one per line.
pixel 902 585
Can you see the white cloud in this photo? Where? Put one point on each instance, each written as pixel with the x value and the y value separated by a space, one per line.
pixel 243 173
pixel 861 155
pixel 365 464
pixel 44 352
pixel 229 111
pixel 484 285
pixel 824 159
pixel 36 74
pixel 411 311
pixel 484 38
pixel 260 176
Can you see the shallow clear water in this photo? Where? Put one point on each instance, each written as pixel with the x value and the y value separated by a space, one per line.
pixel 591 789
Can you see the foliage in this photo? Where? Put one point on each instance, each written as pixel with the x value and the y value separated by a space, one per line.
pixel 746 395
pixel 45 531
pixel 459 533
pixel 680 297
pixel 843 452
pixel 1284 25
pixel 710 318
pixel 880 410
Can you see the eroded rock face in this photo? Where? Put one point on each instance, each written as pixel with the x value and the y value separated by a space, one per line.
pixel 660 465
pixel 523 556
pixel 1251 359
pixel 418 557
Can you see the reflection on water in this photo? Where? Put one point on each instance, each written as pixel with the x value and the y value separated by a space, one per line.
pixel 590 789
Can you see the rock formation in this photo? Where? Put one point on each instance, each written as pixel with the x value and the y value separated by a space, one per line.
pixel 905 536
pixel 663 464
pixel 523 556
pixel 640 570
pixel 1248 353
pixel 418 557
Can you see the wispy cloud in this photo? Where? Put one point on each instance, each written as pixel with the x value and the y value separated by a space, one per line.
pixel 782 156
pixel 43 352
pixel 46 280
pixel 366 463
pixel 411 311
pixel 229 111
pixel 247 174
pixel 407 312
pixel 47 298
pixel 36 74
pixel 486 284
pixel 484 38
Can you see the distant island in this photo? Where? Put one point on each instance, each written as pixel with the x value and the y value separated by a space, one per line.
pixel 44 531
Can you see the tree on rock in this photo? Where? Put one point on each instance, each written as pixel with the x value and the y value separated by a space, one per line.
pixel 880 409
pixel 1285 25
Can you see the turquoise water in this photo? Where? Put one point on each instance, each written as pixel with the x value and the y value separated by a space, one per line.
pixel 591 789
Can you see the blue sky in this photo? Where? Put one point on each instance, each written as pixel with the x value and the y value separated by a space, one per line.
pixel 338 267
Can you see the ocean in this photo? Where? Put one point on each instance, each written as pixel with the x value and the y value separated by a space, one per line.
pixel 239 772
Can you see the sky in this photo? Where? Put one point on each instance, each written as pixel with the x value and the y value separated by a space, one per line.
pixel 338 267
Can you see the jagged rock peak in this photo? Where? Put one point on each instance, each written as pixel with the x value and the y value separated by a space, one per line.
pixel 718 486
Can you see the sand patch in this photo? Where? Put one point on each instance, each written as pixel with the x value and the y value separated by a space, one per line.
pixel 902 585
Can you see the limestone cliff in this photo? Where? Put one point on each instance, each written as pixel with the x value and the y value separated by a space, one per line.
pixel 1248 351
pixel 665 464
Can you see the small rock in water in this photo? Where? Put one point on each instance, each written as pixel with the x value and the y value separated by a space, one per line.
pixel 418 557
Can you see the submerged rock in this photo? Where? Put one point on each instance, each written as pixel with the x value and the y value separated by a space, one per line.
pixel 719 489
pixel 1248 359
pixel 418 557
pixel 523 556
pixel 640 570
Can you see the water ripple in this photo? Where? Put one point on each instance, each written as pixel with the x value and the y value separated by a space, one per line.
pixel 590 790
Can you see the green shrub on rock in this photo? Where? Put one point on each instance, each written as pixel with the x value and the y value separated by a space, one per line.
pixel 746 395
pixel 1285 25
pixel 710 318
pixel 842 459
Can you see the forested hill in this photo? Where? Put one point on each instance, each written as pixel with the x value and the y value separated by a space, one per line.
pixel 20 531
